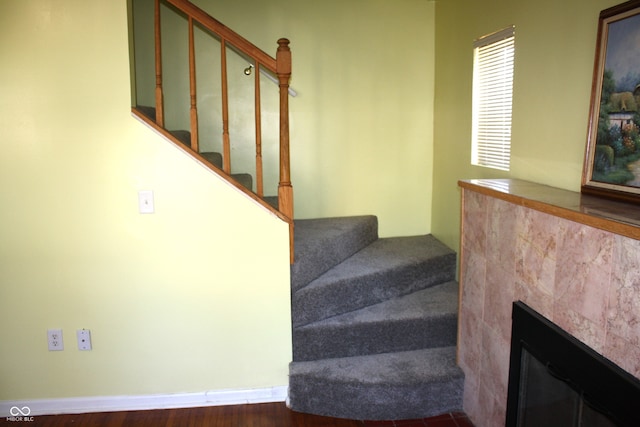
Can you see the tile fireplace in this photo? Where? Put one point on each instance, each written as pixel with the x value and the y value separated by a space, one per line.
pixel 574 259
pixel 557 381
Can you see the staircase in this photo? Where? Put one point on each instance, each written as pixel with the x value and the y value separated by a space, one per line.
pixel 374 320
pixel 374 323
pixel 149 98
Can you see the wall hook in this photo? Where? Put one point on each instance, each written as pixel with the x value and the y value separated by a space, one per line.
pixel 248 70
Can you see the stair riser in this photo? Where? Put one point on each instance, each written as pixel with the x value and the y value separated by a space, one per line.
pixel 374 402
pixel 375 338
pixel 319 248
pixel 312 304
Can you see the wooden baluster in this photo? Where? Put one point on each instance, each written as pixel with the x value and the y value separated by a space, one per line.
pixel 226 143
pixel 158 47
pixel 259 180
pixel 285 189
pixel 192 86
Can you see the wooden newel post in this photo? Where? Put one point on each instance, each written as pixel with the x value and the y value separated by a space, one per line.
pixel 285 189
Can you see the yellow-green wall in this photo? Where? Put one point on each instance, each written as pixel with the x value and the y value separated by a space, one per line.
pixel 361 125
pixel 192 298
pixel 555 47
pixel 381 125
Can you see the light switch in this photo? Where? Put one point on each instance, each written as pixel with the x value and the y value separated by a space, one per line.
pixel 145 202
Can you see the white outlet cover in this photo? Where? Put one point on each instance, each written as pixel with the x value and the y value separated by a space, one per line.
pixel 54 340
pixel 84 339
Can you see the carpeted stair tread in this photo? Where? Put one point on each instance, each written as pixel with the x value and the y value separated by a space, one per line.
pixel 244 179
pixel 272 200
pixel 183 136
pixel 405 367
pixel 216 159
pixel 213 158
pixel 147 111
pixel 320 244
pixel 385 269
pixel 423 319
pixel 401 385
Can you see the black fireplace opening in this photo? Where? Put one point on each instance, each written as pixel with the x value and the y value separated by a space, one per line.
pixel 556 380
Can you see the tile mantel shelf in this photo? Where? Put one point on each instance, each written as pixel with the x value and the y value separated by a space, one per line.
pixel 613 216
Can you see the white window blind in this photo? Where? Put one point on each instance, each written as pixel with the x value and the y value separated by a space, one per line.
pixel 492 99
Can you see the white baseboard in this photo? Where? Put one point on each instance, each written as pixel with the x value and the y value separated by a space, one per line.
pixel 80 405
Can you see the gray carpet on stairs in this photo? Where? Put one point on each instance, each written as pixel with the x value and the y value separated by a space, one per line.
pixel 426 318
pixel 320 244
pixel 408 263
pixel 401 385
pixel 374 323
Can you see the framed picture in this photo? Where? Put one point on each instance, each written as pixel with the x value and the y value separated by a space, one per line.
pixel 612 157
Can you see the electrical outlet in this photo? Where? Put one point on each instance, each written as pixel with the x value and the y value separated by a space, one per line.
pixel 84 339
pixel 54 339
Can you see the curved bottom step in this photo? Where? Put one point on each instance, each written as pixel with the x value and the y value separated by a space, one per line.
pixel 390 386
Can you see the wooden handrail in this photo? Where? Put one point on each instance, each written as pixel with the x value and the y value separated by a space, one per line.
pixel 280 66
pixel 216 27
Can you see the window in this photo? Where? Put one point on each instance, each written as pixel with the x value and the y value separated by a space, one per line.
pixel 492 99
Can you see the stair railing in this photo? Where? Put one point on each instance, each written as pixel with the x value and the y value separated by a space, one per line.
pixel 280 66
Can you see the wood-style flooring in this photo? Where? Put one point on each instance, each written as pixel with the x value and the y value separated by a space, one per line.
pixel 255 415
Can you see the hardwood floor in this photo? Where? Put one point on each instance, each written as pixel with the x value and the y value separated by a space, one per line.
pixel 256 415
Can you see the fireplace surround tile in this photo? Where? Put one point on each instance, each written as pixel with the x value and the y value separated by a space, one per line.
pixel 624 351
pixel 535 267
pixel 497 300
pixel 581 327
pixel 583 270
pixel 624 299
pixel 578 270
pixel 534 296
pixel 539 230
pixel 476 270
pixel 502 231
pixel 494 357
pixel 490 408
pixel 475 216
pixel 470 341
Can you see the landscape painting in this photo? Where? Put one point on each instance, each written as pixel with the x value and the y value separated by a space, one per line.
pixel 612 160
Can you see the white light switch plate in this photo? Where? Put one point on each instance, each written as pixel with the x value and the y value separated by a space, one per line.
pixel 145 202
